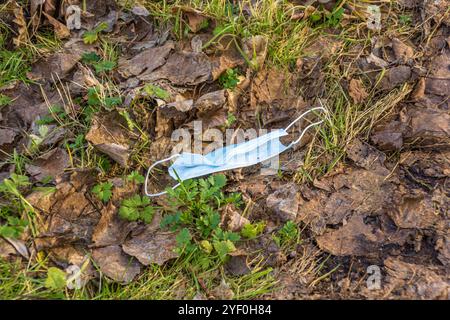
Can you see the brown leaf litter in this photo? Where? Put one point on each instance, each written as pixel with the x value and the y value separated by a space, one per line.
pixel 151 246
pixel 115 264
pixel 182 68
pixel 51 164
pixel 75 226
pixel 57 66
pixel 146 61
pixel 412 281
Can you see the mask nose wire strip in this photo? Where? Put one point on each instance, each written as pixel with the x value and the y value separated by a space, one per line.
pixel 307 128
pixel 148 173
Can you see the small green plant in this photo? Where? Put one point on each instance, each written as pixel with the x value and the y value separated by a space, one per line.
pixel 56 279
pixel 137 208
pixel 229 79
pixel 103 163
pixel 103 191
pixel 288 234
pixel 91 36
pixel 135 177
pixel 156 92
pixel 252 230
pixel 77 143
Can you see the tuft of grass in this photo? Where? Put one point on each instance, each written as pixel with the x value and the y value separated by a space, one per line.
pixel 270 18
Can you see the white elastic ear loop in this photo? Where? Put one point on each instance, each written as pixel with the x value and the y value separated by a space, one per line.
pixel 148 173
pixel 307 128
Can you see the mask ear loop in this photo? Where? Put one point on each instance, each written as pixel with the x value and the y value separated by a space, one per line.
pixel 307 128
pixel 148 173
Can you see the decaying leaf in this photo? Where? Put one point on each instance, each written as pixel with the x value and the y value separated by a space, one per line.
pixel 6 250
pixel 73 17
pixel 395 76
pixel 232 220
pixel 284 202
pixel 227 57
pixel 389 137
pixel 428 124
pixel 237 265
pixel 108 134
pixel 57 65
pixel 358 237
pixel 415 211
pixel 255 49
pixel 210 102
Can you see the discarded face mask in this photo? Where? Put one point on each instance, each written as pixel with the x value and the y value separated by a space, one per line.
pixel 190 165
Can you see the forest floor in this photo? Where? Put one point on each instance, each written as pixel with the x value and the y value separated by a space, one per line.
pixel 94 92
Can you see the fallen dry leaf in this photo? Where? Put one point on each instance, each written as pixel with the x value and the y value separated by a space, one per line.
pixel 357 91
pixel 389 137
pixel 210 102
pixel 196 20
pixel 395 76
pixel 414 280
pixel 429 124
pixel 152 246
pixel 50 164
pixel 182 68
pixel 415 212
pixel 358 237
pixel 232 220
pixel 6 250
pixel 108 134
pixel 61 31
pixel 226 57
pixel 237 266
pixel 57 65
pixel 146 61
pixel 115 264
pixel 402 51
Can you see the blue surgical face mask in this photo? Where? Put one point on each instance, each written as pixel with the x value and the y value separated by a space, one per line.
pixel 190 165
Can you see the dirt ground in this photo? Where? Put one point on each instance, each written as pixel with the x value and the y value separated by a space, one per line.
pixel 91 93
